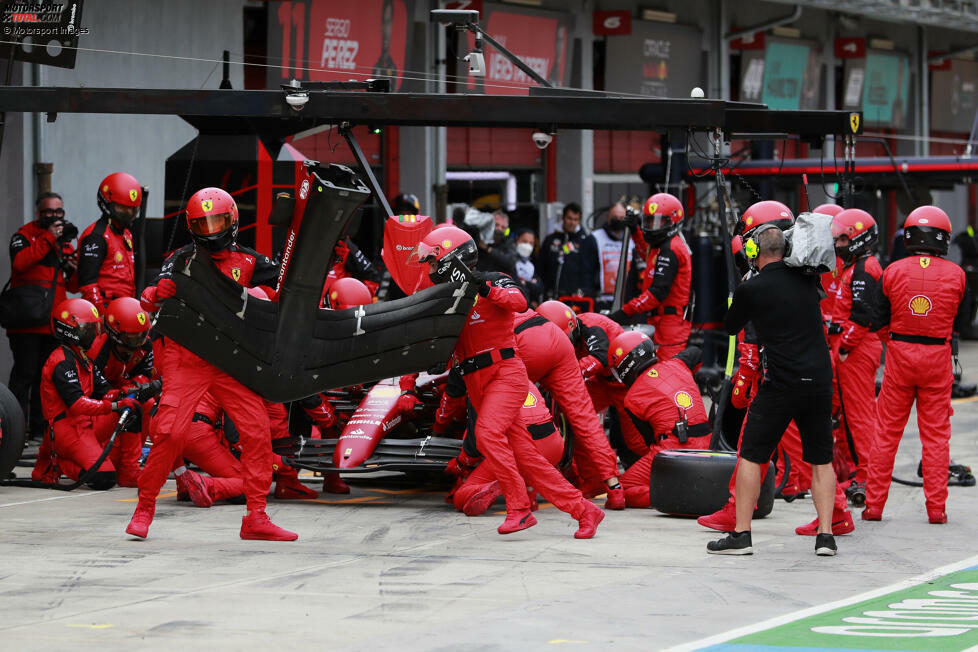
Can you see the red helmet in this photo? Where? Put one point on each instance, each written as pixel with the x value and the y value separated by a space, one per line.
pixel 764 212
pixel 828 209
pixel 212 218
pixel 348 292
pixel 662 215
pixel 119 196
pixel 76 323
pixel 630 354
pixel 740 258
pixel 127 323
pixel 927 231
pixel 561 314
pixel 444 245
pixel 860 227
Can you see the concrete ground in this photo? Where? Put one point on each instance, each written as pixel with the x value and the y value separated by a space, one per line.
pixel 395 568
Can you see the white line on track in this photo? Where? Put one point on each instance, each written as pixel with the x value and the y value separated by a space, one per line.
pixel 822 608
pixel 67 495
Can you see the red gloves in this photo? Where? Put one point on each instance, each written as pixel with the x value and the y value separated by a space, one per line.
pixel 462 465
pixel 165 289
pixel 91 294
pixel 406 403
pixel 153 296
pixel 590 366
pixel 323 415
pixel 742 389
pixel 448 410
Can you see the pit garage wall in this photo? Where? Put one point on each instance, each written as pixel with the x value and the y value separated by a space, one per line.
pixel 85 148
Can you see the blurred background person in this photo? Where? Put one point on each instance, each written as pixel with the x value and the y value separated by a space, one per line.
pixel 569 258
pixel 526 242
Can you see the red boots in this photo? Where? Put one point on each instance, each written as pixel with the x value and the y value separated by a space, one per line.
pixel 142 518
pixel 333 484
pixel 194 486
pixel 516 521
pixel 724 520
pixel 842 523
pixel 258 527
pixel 288 487
pixel 589 521
pixel 481 500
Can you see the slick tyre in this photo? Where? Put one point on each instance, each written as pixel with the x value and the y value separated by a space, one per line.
pixel 694 483
pixel 12 432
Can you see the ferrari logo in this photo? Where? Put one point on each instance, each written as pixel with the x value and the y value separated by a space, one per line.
pixel 854 122
pixel 653 373
pixel 95 312
pixel 530 401
pixel 653 207
pixel 207 205
pixel 749 220
pixel 920 305
pixel 924 262
pixel 133 194
pixel 236 273
pixel 141 318
pixel 128 241
pixel 683 400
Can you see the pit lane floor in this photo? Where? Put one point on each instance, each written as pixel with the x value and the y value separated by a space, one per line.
pixel 395 568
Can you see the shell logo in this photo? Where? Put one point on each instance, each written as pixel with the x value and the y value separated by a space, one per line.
pixel 749 220
pixel 679 213
pixel 333 294
pixel 141 318
pixel 920 305
pixel 683 400
pixel 105 188
pixel 118 257
pixel 924 262
pixel 569 314
pixel 64 314
pixel 859 225
pixel 618 351
pixel 653 373
pixel 207 205
pixel 447 244
pixel 530 401
pixel 111 318
pixel 133 194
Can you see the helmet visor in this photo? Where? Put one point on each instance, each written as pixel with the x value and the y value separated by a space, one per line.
pixel 422 255
pixel 128 341
pixel 87 332
pixel 209 225
pixel 654 222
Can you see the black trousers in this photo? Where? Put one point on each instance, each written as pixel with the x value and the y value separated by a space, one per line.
pixel 31 351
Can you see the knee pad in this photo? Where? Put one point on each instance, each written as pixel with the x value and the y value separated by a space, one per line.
pixel 103 480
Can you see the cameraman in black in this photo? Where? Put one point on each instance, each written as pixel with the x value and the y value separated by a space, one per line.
pixel 782 303
pixel 43 263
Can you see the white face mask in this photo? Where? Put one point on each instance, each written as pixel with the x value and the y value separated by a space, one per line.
pixel 524 249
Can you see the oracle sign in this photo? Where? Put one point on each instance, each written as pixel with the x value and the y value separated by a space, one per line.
pixel 656 59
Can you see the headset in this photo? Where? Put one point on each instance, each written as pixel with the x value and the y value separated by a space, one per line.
pixel 751 248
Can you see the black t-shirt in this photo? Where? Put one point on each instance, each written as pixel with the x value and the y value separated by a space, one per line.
pixel 782 303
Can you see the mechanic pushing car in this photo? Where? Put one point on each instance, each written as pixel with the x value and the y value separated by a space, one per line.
pixel 550 360
pixel 669 273
pixel 856 351
pixel 106 264
pixel 497 383
pixel 212 219
pixel 921 299
pixel 78 402
pixel 663 401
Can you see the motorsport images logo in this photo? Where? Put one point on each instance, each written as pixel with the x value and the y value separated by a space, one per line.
pixel 28 19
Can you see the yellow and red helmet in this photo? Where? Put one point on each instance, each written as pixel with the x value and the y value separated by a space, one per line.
pixel 859 229
pixel 629 355
pixel 212 218
pixel 348 292
pixel 764 212
pixel 127 324
pixel 119 196
pixel 828 209
pixel 562 315
pixel 76 323
pixel 440 247
pixel 662 215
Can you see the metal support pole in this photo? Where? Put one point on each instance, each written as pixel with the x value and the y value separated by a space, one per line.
pixel 346 130
pixel 475 29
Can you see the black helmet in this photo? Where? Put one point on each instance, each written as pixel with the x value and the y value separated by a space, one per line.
pixel 406 204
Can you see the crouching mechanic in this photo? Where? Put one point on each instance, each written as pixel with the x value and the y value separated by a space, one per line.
pixel 663 401
pixel 921 298
pixel 77 400
pixel 496 382
pixel 212 219
pixel 668 277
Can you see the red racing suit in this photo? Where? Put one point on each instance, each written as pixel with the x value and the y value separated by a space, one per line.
pixel 187 377
pixel 665 292
pixel 856 376
pixel 34 257
pixel 106 266
pixel 496 383
pixel 596 334
pixel 664 395
pixel 348 260
pixel 550 360
pixel 535 417
pixel 920 298
pixel 76 400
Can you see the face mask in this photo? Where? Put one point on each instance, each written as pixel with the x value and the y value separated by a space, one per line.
pixel 524 249
pixel 616 227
